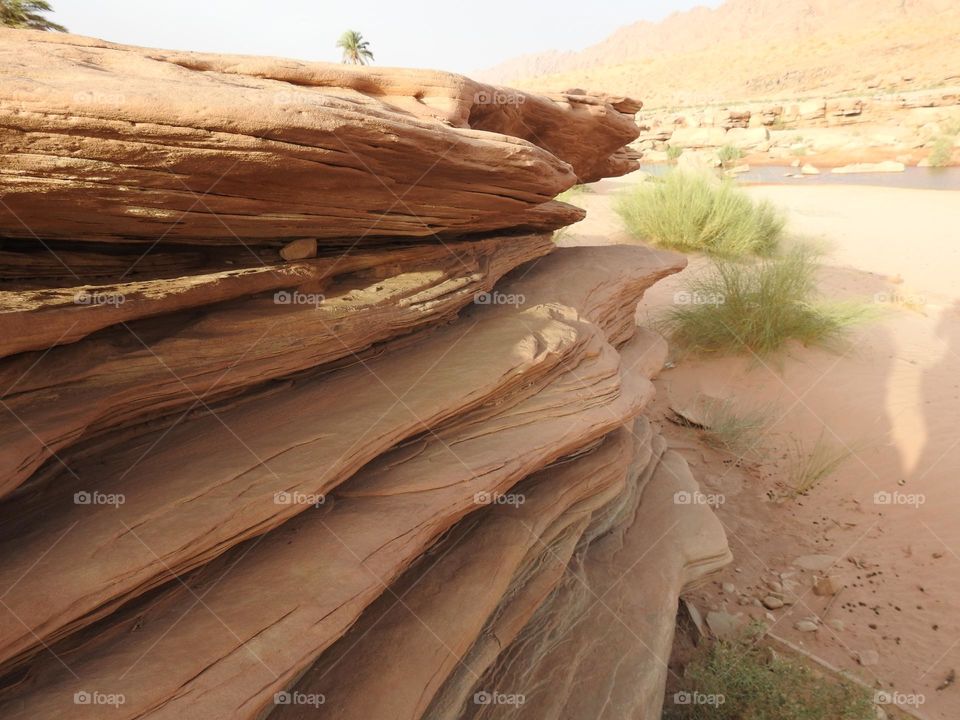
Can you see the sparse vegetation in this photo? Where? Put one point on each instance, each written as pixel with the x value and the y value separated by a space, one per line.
pixel 951 127
pixel 28 14
pixel 356 50
pixel 942 152
pixel 756 683
pixel 729 154
pixel 757 307
pixel 735 429
pixel 696 213
pixel 674 153
pixel 809 467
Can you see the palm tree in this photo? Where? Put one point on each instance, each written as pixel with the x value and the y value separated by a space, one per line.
pixel 27 14
pixel 356 50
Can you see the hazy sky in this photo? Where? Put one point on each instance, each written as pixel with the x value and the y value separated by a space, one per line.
pixel 446 34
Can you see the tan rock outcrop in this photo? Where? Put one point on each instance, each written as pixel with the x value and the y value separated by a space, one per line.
pixel 175 362
pixel 234 149
pixel 303 407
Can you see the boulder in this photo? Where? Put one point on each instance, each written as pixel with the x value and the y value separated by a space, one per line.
pixel 745 138
pixel 705 137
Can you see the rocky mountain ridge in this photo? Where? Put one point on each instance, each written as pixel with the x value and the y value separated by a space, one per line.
pixel 758 49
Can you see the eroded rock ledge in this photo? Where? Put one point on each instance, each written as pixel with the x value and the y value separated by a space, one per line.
pixel 387 476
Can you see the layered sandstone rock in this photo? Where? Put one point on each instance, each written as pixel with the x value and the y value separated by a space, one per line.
pixel 132 145
pixel 341 430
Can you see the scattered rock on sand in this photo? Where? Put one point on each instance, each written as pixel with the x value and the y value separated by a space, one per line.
pixel 772 602
pixel 805 625
pixel 826 586
pixel 299 249
pixel 809 169
pixel 867 658
pixel 724 625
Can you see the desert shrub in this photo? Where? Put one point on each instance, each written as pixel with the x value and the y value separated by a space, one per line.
pixel 809 467
pixel 694 212
pixel 755 683
pixel 942 152
pixel 729 154
pixel 674 153
pixel 736 429
pixel 757 307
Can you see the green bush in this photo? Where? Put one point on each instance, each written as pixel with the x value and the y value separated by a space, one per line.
pixel 674 153
pixel 729 154
pixel 942 152
pixel 757 307
pixel 809 467
pixel 737 430
pixel 746 681
pixel 692 212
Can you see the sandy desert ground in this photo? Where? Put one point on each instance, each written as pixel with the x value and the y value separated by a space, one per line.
pixel 884 525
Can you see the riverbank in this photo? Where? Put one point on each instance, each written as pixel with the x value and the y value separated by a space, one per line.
pixel 882 527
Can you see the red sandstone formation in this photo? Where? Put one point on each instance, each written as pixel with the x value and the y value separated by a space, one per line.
pixel 284 342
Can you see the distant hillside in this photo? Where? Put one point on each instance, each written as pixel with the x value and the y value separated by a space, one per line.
pixel 751 49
